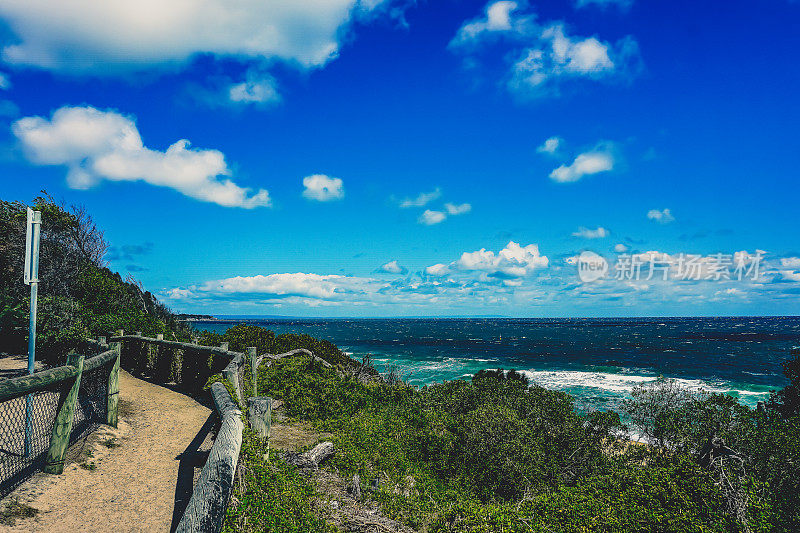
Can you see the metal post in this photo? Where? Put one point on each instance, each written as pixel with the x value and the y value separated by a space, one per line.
pixel 31 364
pixel 31 276
pixel 32 327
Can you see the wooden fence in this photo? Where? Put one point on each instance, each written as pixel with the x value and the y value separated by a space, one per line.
pixel 186 364
pixel 194 362
pixel 42 413
pixel 206 509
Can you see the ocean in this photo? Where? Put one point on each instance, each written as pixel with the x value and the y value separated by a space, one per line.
pixel 596 360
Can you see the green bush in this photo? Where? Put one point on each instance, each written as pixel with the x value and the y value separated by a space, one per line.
pixel 78 296
pixel 275 498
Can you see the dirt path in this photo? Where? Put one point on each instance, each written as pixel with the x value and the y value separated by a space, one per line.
pixel 125 479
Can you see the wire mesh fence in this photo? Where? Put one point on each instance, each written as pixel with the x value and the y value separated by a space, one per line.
pixel 15 464
pixel 22 453
pixel 91 408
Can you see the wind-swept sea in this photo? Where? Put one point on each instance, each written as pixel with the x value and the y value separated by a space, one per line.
pixel 596 360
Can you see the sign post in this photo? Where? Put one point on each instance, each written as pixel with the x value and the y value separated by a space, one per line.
pixel 31 276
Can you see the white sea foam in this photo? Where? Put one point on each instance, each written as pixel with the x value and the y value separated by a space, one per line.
pixel 564 379
pixel 622 383
pixel 618 385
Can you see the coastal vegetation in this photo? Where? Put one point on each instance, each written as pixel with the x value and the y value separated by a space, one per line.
pixel 497 453
pixel 79 296
pixel 491 453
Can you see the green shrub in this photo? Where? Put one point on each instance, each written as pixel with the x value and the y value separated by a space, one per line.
pixel 276 497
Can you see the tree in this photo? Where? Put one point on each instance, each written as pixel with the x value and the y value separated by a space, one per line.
pixel 787 400
pixel 654 407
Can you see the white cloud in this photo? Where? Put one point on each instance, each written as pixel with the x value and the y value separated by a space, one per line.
pixel 586 233
pixel 5 83
pixel 422 199
pixel 541 69
pixel 104 145
pixel 550 145
pixel 790 262
pixel 431 217
pixel 515 276
pixel 439 269
pixel 322 188
pixel 513 261
pixel 116 35
pixel 789 267
pixel 622 4
pixel 546 56
pixel 663 216
pixel 581 56
pixel 461 209
pixel 497 22
pixel 257 88
pixel 600 159
pixel 790 275
pixel 393 267
pixel 725 293
pixel 620 248
pixel 289 284
pixel 179 294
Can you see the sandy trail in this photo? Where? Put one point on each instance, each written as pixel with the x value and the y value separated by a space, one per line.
pixel 132 486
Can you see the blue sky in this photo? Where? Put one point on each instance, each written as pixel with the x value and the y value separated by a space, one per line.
pixel 343 158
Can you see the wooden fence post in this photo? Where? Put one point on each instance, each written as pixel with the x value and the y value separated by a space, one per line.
pixel 231 373
pixel 259 411
pixel 121 333
pixel 62 429
pixel 112 402
pixel 251 352
pixel 155 353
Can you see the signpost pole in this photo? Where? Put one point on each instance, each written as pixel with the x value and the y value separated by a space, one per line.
pixel 31 278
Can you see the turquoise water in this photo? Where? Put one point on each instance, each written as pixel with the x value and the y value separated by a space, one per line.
pixel 596 360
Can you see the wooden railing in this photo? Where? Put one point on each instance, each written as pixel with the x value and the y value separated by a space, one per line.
pixel 209 501
pixel 206 509
pixel 207 506
pixel 25 404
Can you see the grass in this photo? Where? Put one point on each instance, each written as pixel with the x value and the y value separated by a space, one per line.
pixel 16 510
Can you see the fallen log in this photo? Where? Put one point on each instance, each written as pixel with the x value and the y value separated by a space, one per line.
pixel 312 458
